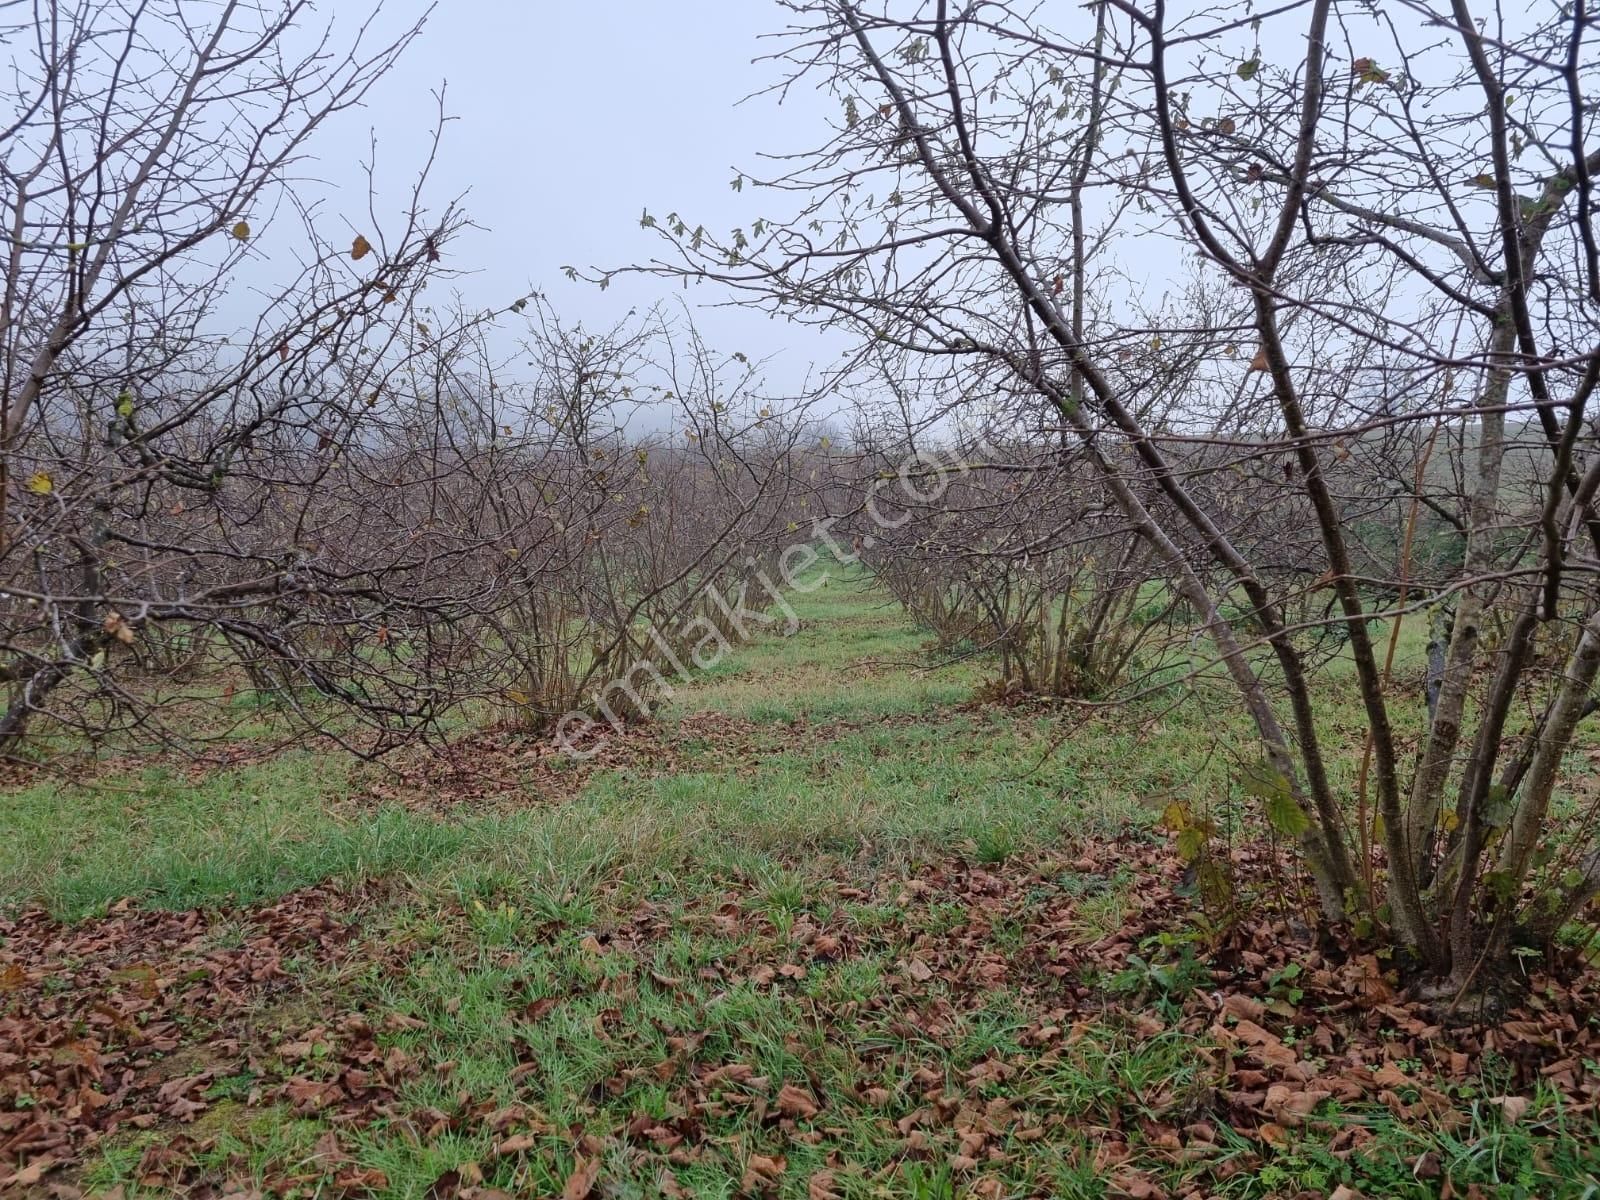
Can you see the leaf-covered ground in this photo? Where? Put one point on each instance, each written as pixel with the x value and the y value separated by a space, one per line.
pixel 826 930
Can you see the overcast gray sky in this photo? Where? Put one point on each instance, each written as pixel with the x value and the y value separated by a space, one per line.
pixel 570 119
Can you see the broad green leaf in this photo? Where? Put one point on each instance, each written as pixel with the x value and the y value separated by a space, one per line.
pixel 1191 843
pixel 1263 780
pixel 1497 808
pixel 1500 885
pixel 1286 816
pixel 1284 813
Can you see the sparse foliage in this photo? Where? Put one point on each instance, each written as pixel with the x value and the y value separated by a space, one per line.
pixel 1362 398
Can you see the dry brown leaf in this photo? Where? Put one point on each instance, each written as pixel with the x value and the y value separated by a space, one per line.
pixel 581 1182
pixel 516 1144
pixel 1289 1106
pixel 1391 1076
pixel 1273 1134
pixel 1136 1186
pixel 1243 1007
pixel 761 1170
pixel 31 1174
pixel 795 1102
pixel 731 1073
pixel 1512 1108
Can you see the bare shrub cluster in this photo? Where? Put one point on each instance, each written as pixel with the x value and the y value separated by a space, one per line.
pixel 1015 551
pixel 249 476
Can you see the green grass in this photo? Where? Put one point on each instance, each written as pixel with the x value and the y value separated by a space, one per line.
pixel 860 789
pixel 238 836
pixel 509 990
pixel 531 1015
pixel 586 961
pixel 854 658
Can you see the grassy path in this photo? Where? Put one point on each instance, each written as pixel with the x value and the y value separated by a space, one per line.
pixel 829 740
